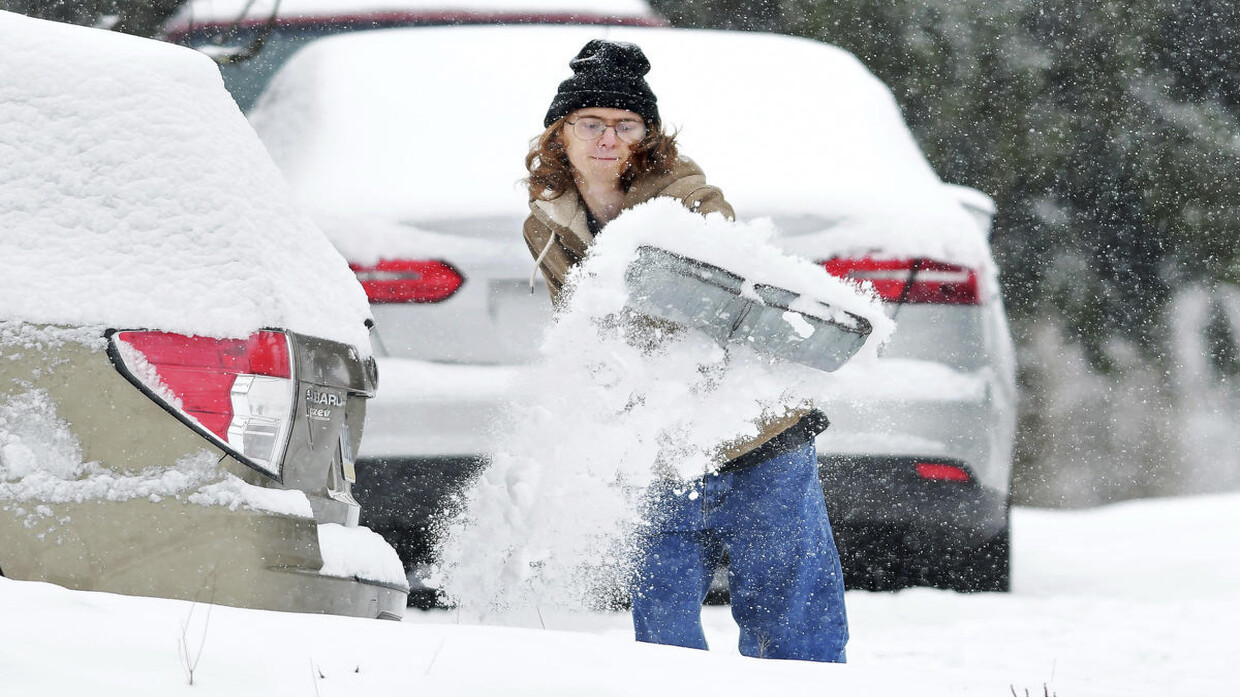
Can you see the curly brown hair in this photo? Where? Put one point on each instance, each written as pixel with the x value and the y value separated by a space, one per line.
pixel 551 174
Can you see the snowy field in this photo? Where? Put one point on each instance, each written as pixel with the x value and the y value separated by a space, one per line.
pixel 1135 599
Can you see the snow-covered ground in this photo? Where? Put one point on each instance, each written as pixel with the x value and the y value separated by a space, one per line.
pixel 1134 599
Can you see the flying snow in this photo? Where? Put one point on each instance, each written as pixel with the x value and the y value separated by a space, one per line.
pixel 616 403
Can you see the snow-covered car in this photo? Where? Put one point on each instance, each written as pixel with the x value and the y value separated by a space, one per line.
pixel 418 186
pixel 184 358
pixel 252 38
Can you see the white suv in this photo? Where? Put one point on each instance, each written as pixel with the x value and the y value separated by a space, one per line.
pixel 408 146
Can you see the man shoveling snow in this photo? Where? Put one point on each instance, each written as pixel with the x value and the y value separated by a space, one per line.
pixel 650 452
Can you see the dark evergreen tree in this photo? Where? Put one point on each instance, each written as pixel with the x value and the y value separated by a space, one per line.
pixel 1106 132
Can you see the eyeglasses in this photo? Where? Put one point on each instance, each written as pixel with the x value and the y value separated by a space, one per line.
pixel 593 128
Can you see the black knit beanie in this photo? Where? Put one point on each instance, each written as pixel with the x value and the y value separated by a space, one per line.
pixel 606 74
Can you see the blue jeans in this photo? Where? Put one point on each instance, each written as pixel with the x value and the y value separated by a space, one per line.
pixel 784 571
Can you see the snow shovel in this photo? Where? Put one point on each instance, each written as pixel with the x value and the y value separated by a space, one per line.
pixel 708 298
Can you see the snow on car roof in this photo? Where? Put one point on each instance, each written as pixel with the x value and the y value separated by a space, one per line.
pixel 198 11
pixel 431 123
pixel 133 194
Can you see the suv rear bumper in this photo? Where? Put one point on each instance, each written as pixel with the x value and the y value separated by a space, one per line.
pixel 174 549
pixel 895 529
pixel 426 435
pixel 887 492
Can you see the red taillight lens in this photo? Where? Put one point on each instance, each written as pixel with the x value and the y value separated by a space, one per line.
pixel 932 282
pixel 940 472
pixel 239 391
pixel 409 280
pixel 267 354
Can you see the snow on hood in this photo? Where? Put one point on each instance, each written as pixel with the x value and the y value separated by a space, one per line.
pixel 231 10
pixel 422 124
pixel 134 194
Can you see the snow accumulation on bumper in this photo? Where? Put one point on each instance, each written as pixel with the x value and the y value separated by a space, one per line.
pixel 190 530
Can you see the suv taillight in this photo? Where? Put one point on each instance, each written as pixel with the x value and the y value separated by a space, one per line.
pixel 408 280
pixel 237 392
pixel 920 281
pixel 942 472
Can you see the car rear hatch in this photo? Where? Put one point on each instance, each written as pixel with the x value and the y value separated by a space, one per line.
pixel 333 383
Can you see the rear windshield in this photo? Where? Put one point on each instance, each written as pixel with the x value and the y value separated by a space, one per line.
pixel 247 79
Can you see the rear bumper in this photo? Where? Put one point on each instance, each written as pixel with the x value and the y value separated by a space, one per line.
pixel 886 493
pixel 429 429
pixel 903 408
pixel 879 508
pixel 889 520
pixel 894 529
pixel 336 595
pixel 173 549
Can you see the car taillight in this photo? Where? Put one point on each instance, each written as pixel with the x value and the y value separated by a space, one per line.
pixel 921 281
pixel 237 392
pixel 941 472
pixel 408 280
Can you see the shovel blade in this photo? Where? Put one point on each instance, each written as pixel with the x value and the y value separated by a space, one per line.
pixel 710 299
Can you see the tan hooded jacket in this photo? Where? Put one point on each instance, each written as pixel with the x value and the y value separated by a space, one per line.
pixel 558 237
